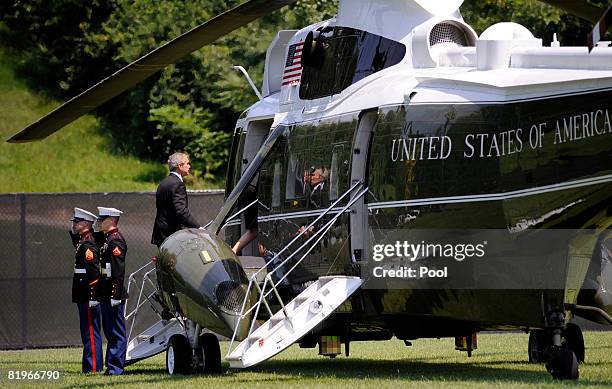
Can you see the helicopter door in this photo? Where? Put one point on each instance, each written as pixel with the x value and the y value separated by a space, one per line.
pixel 256 134
pixel 359 212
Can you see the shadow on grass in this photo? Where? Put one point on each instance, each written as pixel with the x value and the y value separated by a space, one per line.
pixel 403 371
pixel 113 381
pixel 22 362
pixel 594 347
pixel 142 377
pixel 408 370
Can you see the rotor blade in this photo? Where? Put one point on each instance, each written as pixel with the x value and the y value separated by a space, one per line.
pixel 146 66
pixel 579 8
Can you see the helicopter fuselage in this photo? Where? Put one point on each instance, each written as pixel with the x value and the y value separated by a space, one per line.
pixel 523 151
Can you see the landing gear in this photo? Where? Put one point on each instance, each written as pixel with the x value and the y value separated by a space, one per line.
pixel 209 354
pixel 561 362
pixel 178 356
pixel 574 340
pixel 182 359
pixel 540 341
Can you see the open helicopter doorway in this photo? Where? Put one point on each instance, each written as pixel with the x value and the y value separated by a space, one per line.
pixel 256 133
pixel 359 212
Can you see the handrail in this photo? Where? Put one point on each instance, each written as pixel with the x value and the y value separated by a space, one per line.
pixel 321 233
pixel 132 315
pixel 132 279
pixel 318 235
pixel 329 209
pixel 229 219
pixel 145 277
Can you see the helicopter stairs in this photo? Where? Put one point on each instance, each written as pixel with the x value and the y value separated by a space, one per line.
pixel 304 312
pixel 299 316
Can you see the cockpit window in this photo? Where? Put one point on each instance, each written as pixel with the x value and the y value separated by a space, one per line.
pixel 335 58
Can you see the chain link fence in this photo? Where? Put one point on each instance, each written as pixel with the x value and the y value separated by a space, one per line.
pixel 37 258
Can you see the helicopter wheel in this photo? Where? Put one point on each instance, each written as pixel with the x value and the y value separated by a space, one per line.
pixel 574 340
pixel 562 363
pixel 209 355
pixel 178 356
pixel 537 346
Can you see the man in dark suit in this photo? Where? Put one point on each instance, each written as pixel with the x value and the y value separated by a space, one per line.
pixel 171 201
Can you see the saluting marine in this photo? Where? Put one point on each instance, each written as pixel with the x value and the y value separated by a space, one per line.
pixel 85 288
pixel 112 291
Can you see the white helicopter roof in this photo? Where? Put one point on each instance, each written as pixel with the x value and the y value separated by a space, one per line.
pixel 505 63
pixel 394 19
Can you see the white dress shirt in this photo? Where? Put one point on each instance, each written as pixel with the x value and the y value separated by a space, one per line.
pixel 178 175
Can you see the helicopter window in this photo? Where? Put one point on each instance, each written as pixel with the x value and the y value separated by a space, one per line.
pixel 270 187
pixel 276 185
pixel 317 172
pixel 318 162
pixel 295 178
pixel 317 179
pixel 336 59
pixel 333 174
pixel 234 171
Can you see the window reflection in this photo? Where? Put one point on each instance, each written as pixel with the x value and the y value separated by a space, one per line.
pixel 343 56
pixel 317 180
pixel 333 174
pixel 276 185
pixel 295 181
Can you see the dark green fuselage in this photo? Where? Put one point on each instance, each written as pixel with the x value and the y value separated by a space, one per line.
pixel 523 167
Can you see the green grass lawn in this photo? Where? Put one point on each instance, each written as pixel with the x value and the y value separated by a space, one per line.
pixel 76 159
pixel 500 361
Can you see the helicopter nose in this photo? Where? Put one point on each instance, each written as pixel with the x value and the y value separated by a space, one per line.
pixel 201 279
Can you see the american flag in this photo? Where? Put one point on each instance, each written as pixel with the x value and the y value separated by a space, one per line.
pixel 600 28
pixel 293 65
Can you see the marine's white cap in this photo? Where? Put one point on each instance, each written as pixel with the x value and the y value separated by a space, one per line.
pixel 106 212
pixel 81 214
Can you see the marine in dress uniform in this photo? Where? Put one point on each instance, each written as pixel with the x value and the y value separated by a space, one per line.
pixel 112 291
pixel 85 288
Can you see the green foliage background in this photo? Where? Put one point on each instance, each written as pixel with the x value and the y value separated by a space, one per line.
pixel 64 46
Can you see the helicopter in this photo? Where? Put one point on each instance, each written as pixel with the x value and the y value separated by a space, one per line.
pixel 400 176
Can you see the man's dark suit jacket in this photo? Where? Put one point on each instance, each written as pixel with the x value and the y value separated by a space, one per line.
pixel 172 209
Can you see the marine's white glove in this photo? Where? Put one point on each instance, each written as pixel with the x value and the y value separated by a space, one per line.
pixel 93 303
pixel 114 302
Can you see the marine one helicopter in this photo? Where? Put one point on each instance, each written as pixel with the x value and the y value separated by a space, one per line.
pixel 386 131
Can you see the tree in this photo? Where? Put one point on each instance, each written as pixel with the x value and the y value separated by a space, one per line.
pixel 67 45
pixel 541 19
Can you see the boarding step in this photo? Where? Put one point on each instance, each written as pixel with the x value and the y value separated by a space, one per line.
pixel 305 312
pixel 152 341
